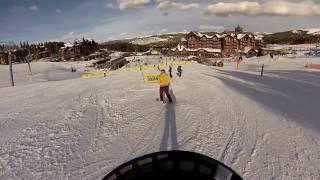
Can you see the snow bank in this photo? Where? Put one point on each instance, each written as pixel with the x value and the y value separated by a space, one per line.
pixel 43 72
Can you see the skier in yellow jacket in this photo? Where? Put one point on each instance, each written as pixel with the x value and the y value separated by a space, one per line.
pixel 164 81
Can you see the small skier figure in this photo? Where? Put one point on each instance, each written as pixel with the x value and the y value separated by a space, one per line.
pixel 240 58
pixel 271 55
pixel 164 82
pixel 170 71
pixel 179 71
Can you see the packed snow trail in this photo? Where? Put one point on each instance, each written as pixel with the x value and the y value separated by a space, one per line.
pixel 262 127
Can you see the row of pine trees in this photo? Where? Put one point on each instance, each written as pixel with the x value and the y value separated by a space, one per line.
pixel 51 49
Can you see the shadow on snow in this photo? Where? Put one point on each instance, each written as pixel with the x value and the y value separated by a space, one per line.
pixel 297 99
pixel 170 128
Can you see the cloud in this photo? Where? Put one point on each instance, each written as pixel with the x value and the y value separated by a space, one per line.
pixel 69 36
pixel 270 8
pixel 34 8
pixel 164 30
pixel 177 5
pixel 110 5
pixel 124 34
pixel 58 11
pixel 132 23
pixel 129 4
pixel 211 27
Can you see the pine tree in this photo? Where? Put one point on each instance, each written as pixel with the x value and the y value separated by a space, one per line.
pixel 238 29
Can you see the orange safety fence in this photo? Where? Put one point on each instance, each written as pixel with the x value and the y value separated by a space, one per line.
pixel 312 66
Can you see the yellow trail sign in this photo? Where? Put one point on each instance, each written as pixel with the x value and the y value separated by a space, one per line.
pixel 151 78
pixel 238 65
pixel 152 66
pixel 96 74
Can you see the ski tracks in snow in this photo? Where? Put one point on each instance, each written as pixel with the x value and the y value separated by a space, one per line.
pixel 74 147
pixel 101 128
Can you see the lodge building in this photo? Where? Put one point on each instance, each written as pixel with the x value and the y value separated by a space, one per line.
pixel 217 45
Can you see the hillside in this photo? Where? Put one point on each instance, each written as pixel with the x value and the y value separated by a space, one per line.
pixel 142 44
pixel 301 36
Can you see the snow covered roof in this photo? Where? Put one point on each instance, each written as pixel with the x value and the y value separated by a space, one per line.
pixel 183 39
pixel 180 47
pixel 78 40
pixel 259 37
pixel 247 49
pixel 220 36
pixel 68 44
pixel 240 36
pixel 200 35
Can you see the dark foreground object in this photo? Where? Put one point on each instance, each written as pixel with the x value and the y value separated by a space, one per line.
pixel 179 165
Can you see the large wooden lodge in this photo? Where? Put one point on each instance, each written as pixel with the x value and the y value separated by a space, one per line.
pixel 217 45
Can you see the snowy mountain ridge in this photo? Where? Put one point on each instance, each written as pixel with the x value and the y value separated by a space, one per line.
pixel 311 31
pixel 148 40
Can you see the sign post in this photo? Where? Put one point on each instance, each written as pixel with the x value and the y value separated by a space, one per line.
pixel 28 58
pixel 262 69
pixel 10 68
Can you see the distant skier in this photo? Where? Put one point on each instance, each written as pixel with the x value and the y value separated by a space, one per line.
pixel 164 82
pixel 179 71
pixel 170 71
pixel 271 55
pixel 240 58
pixel 73 69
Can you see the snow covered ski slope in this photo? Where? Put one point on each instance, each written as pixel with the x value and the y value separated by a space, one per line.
pixel 262 127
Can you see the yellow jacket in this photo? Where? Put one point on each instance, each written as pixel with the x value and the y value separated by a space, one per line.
pixel 164 79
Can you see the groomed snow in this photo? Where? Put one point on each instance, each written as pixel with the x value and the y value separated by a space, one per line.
pixel 262 127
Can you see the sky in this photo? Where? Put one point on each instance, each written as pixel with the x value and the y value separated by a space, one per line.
pixel 103 20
